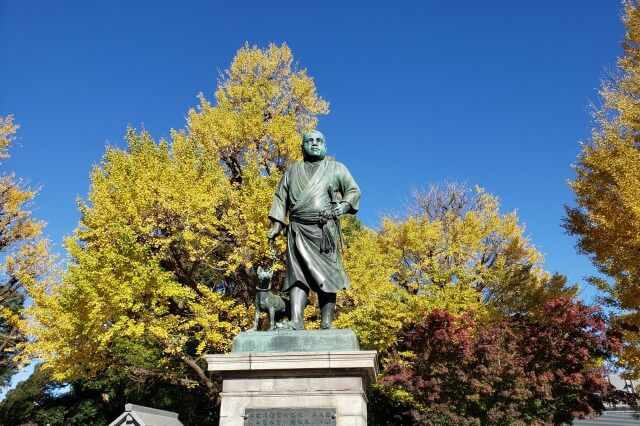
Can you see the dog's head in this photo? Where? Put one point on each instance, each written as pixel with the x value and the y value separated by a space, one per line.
pixel 264 277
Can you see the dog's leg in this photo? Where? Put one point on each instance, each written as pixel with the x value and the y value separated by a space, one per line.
pixel 256 318
pixel 272 317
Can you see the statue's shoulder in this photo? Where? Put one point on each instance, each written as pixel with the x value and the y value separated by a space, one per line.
pixel 338 166
pixel 292 168
pixel 331 162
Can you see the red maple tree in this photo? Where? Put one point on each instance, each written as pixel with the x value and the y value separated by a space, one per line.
pixel 535 370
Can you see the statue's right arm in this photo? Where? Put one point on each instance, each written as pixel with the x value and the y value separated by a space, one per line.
pixel 278 212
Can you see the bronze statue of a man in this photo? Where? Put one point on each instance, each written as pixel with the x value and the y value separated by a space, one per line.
pixel 308 192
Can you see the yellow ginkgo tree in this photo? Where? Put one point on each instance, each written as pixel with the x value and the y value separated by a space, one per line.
pixel 606 218
pixel 452 250
pixel 160 264
pixel 25 256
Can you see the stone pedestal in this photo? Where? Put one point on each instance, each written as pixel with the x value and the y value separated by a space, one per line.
pixel 324 380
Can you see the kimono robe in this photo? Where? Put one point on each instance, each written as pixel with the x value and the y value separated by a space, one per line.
pixel 313 242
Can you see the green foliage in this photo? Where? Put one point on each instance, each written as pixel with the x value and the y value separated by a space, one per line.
pixel 98 401
pixel 34 400
pixel 382 410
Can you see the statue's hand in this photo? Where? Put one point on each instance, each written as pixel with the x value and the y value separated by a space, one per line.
pixel 275 229
pixel 341 209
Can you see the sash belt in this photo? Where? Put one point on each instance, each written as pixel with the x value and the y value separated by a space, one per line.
pixel 328 241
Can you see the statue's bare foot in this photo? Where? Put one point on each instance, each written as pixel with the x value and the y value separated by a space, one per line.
pixel 325 326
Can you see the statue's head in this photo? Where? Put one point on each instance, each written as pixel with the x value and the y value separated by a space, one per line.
pixel 314 147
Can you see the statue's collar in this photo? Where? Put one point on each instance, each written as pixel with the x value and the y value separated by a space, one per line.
pixel 314 163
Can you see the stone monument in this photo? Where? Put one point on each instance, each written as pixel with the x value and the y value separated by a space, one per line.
pixel 289 375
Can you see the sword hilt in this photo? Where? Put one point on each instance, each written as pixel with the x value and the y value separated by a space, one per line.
pixel 332 195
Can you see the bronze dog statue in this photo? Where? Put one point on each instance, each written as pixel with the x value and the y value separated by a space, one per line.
pixel 267 301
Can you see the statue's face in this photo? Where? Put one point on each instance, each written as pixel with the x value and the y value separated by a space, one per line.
pixel 314 147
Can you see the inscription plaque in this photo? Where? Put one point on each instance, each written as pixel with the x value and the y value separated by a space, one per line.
pixel 289 416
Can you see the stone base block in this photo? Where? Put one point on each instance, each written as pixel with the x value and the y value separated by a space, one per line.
pixel 296 380
pixel 296 341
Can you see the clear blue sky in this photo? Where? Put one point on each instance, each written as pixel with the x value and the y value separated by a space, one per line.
pixel 495 93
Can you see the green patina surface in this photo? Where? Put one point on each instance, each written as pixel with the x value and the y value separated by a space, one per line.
pixel 295 341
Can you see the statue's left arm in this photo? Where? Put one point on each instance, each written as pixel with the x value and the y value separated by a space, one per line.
pixel 349 189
